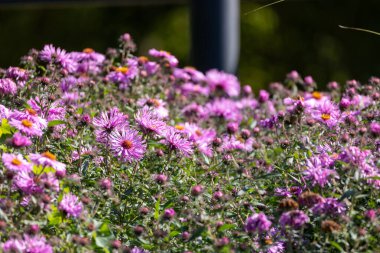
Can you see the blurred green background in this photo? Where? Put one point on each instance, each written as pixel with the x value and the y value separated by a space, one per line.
pixel 295 34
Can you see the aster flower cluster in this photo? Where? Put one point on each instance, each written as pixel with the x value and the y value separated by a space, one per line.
pixel 118 152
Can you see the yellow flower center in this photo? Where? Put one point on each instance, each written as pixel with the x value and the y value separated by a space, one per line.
pixel 325 116
pixel 317 95
pixel 49 155
pixel 27 123
pixel 268 241
pixel 123 70
pixel 143 59
pixel 127 144
pixel 179 127
pixel 31 111
pixel 16 162
pixel 88 50
pixel 198 132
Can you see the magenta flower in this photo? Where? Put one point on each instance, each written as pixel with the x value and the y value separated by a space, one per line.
pixel 138 250
pixel 176 141
pixel 107 122
pixel 149 122
pixel 18 140
pixel 18 74
pixel 37 244
pixel 30 244
pixel 263 96
pixel 88 61
pixel 7 86
pixel 295 219
pixel 258 222
pixel 329 206
pixel 169 213
pixel 30 115
pixel 16 163
pixel 26 126
pixel 71 205
pixel 227 83
pixel 25 182
pixel 57 56
pixel 124 75
pixel 47 159
pixel 223 108
pixel 375 128
pixel 158 106
pixel 14 245
pixel 317 174
pixel 327 113
pixel 127 145
pixel 165 56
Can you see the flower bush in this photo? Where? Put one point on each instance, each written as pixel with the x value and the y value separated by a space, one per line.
pixel 119 153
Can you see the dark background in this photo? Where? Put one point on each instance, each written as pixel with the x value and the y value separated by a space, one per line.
pixel 295 34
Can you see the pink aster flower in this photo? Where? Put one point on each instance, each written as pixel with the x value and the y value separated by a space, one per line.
pixel 231 142
pixel 31 115
pixel 4 112
pixel 375 128
pixel 25 182
pixel 71 205
pixel 107 122
pixel 14 245
pixel 26 126
pixel 127 145
pixel 47 159
pixel 15 162
pixel 18 140
pixel 88 61
pixel 223 108
pixel 18 74
pixel 57 56
pixel 218 80
pixel 149 122
pixel 317 174
pixel 258 222
pixel 125 74
pixel 7 86
pixel 166 56
pixel 158 106
pixel 175 141
pixel 68 83
pixel 329 206
pixel 295 219
pixel 327 113
pixel 37 244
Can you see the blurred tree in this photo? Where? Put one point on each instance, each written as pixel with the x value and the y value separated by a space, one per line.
pixel 295 34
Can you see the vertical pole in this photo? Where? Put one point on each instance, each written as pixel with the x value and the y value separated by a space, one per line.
pixel 215 34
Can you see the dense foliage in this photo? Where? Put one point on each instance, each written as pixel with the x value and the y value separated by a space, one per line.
pixel 118 153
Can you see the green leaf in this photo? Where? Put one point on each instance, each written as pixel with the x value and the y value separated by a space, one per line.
pixel 157 209
pixel 56 122
pixel 38 170
pixel 103 242
pixel 5 128
pixel 337 246
pixel 174 233
pixel 80 110
pixel 226 227
pixel 104 229
pixel 55 217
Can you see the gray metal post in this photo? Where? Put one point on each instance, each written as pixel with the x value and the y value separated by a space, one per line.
pixel 215 34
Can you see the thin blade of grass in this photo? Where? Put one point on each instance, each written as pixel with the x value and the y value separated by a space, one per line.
pixel 262 7
pixel 359 29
